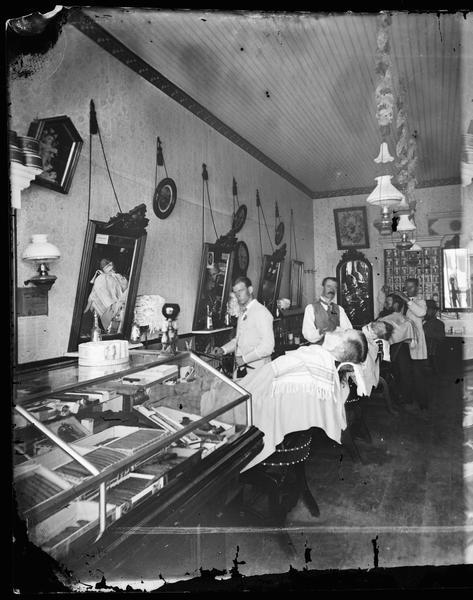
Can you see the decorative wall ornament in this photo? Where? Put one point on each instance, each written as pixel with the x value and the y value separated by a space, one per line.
pixel 406 149
pixel 278 226
pixel 59 147
pixel 239 210
pixel 355 284
pixel 384 92
pixel 165 194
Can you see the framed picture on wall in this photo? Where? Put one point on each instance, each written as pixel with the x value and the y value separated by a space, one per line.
pixel 108 283
pixel 270 282
pixel 59 147
pixel 351 228
pixel 215 283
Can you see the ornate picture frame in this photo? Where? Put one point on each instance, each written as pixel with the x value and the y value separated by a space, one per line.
pixel 270 281
pixel 215 284
pixel 355 287
pixel 125 249
pixel 351 228
pixel 59 147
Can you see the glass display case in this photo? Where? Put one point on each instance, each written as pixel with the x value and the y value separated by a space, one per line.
pixel 91 443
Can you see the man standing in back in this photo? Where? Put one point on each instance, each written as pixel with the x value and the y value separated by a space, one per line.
pixel 416 310
pixel 324 314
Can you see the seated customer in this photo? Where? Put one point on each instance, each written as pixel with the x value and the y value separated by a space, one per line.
pixel 302 389
pixel 387 306
pixel 380 329
pixel 366 376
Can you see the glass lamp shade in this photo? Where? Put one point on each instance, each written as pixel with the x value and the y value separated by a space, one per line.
pixel 384 156
pixel 406 227
pixel 385 194
pixel 40 249
pixel 41 252
pixel 405 224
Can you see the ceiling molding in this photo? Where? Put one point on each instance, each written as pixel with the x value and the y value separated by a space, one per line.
pixel 111 44
pixel 367 190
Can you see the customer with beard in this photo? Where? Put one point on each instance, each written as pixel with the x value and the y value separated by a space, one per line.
pixel 324 315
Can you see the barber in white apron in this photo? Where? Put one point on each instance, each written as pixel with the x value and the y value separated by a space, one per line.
pixel 254 340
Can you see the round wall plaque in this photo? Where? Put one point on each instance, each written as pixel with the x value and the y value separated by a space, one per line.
pixel 164 198
pixel 239 218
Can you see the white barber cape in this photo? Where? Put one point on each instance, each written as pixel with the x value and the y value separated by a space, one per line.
pixel 295 392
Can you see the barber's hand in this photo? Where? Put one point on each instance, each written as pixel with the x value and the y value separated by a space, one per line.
pixel 218 351
pixel 239 361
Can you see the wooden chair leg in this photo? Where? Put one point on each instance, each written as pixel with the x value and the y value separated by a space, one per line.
pixel 349 443
pixel 305 491
pixel 357 425
pixel 387 396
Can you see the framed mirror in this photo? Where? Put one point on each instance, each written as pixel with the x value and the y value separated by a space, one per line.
pixel 355 287
pixel 295 283
pixel 457 280
pixel 108 282
pixel 270 281
pixel 215 284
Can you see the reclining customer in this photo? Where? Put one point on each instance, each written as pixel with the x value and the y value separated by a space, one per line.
pixel 302 389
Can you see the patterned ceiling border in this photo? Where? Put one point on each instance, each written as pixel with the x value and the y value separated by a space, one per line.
pixel 111 44
pixel 368 190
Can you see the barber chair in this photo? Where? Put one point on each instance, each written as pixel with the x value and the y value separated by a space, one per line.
pixel 272 488
pixel 356 426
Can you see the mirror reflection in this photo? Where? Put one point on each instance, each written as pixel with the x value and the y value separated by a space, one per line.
pixel 457 279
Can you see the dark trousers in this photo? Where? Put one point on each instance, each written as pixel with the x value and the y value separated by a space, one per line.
pixel 421 382
pixel 403 373
pixel 411 376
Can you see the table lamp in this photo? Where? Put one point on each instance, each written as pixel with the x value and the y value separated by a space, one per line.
pixel 41 252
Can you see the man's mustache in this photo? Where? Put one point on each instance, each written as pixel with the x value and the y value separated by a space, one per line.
pixel 330 293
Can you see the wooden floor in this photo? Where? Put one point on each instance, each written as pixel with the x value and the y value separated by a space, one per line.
pixel 408 495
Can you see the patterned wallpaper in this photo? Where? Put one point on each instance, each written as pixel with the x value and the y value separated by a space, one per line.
pixel 429 200
pixel 131 113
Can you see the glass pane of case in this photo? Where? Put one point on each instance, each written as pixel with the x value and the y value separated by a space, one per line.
pixel 136 430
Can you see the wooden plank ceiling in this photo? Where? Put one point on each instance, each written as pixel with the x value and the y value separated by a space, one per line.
pixel 300 87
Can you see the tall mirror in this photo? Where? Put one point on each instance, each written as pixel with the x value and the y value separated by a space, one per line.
pixel 355 287
pixel 457 280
